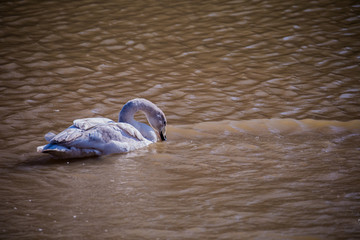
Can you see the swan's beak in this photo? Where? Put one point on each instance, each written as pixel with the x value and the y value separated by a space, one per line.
pixel 162 135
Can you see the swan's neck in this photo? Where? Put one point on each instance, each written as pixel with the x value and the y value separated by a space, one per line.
pixel 127 115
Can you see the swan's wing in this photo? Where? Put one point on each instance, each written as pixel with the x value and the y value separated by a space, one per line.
pixel 87 123
pixel 76 130
pixel 49 136
pixel 68 135
pixel 101 133
pixel 131 130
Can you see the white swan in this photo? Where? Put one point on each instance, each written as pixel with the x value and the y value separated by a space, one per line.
pixel 100 136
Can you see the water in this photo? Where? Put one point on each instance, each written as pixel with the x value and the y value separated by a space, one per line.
pixel 262 100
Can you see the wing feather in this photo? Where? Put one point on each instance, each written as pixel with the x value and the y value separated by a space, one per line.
pixel 87 123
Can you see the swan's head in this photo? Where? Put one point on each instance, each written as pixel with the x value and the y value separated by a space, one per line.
pixel 154 115
pixel 158 122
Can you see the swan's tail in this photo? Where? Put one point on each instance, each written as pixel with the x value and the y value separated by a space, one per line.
pixel 40 149
pixel 53 148
pixel 59 151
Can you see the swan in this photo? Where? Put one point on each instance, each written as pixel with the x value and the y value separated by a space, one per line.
pixel 100 136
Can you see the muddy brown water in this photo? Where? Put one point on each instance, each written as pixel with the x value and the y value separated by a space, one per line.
pixel 262 101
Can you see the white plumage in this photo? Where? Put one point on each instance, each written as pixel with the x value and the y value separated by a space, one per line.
pixel 98 136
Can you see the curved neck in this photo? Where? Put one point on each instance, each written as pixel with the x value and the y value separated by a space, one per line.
pixel 127 115
pixel 127 112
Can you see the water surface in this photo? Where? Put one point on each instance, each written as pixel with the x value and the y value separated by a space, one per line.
pixel 262 100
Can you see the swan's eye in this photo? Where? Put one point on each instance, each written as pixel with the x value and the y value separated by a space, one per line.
pixel 164 122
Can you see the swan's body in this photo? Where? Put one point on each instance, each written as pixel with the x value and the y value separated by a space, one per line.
pixel 99 136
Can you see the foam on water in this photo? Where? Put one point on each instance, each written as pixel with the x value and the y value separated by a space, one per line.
pixel 262 127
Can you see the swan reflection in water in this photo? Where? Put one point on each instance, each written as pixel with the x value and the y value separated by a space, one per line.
pixel 99 136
